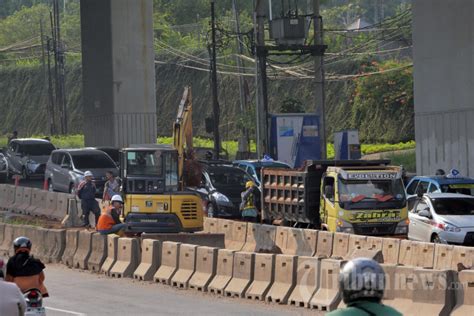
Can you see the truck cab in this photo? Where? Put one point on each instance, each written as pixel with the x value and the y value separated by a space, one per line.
pixel 153 200
pixel 364 200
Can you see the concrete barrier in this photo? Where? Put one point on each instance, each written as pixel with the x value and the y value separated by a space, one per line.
pixel 324 244
pixel 128 258
pixel 307 281
pixel 151 260
pixel 169 262
pixel 17 200
pixel 52 243
pixel 84 249
pixel 72 237
pixel 61 207
pixel 357 242
pixel 391 250
pixel 2 231
pixel 242 275
pixel 225 266
pixel 6 248
pixel 238 236
pixel 443 257
pixel 327 297
pixel 285 279
pixel 260 238
pixel 340 245
pixel 465 303
pixel 187 266
pixel 39 208
pixel 51 204
pixel 400 293
pixel 417 254
pixel 112 249
pixel 225 226
pixel 390 284
pixel 462 257
pixel 374 243
pixel 9 199
pixel 3 193
pixel 198 239
pixel 206 266
pixel 281 239
pixel 375 255
pixel 263 276
pixel 210 225
pixel 98 253
pixel 24 202
pixel 296 241
pixel 434 293
pixel 35 200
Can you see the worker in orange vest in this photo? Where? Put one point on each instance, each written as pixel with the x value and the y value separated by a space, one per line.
pixel 109 221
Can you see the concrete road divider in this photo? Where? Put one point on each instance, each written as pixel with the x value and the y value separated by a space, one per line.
pixel 198 239
pixel 391 250
pixel 434 293
pixel 51 203
pixel 465 304
pixel 206 266
pixel 225 266
pixel 56 240
pixel 112 245
pixel 263 276
pixel 187 266
pixel 210 225
pixel 374 243
pixel 376 255
pixel 390 281
pixel 39 208
pixel 443 256
pixel 260 238
pixel 2 230
pixel 35 201
pixel 128 258
pixel 7 245
pixel 169 262
pixel 24 202
pixel 225 226
pixel 40 247
pixel 18 199
pixel 98 253
pixel 61 208
pixel 151 260
pixel 417 254
pixel 238 236
pixel 84 249
pixel 400 293
pixel 251 238
pixel 242 275
pixel 327 297
pixel 462 257
pixel 357 242
pixel 72 237
pixel 296 241
pixel 340 245
pixel 281 239
pixel 285 279
pixel 3 193
pixel 9 198
pixel 307 281
pixel 324 244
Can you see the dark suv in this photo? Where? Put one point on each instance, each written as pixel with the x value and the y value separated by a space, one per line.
pixel 28 156
pixel 65 169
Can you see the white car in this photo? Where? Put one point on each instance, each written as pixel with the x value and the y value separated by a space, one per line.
pixel 443 218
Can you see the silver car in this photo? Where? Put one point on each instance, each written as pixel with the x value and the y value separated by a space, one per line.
pixel 443 218
pixel 65 168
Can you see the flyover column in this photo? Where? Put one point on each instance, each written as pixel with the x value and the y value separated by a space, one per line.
pixel 118 72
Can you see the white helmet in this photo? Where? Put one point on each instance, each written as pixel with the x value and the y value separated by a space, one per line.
pixel 116 198
pixel 88 174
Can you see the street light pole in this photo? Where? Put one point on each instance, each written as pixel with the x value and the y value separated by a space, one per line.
pixel 215 101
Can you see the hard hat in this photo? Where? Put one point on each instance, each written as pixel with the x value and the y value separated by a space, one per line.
pixel 88 174
pixel 116 198
pixel 249 184
pixel 22 243
pixel 362 279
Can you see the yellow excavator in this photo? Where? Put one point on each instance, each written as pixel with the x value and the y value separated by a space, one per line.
pixel 154 180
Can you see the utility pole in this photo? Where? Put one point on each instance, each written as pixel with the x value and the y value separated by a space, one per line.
pixel 261 64
pixel 243 139
pixel 319 78
pixel 215 101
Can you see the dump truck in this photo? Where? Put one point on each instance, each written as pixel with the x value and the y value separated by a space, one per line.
pixel 351 196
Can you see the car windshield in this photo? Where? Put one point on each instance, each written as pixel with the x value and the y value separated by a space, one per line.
pixel 226 176
pixel 464 188
pixel 453 206
pixel 42 149
pixel 113 153
pixel 356 191
pixel 141 163
pixel 96 161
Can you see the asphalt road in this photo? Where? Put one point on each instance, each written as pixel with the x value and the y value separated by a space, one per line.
pixel 75 292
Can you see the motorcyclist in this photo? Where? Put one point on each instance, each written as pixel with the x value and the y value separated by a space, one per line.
pixel 25 270
pixel 362 284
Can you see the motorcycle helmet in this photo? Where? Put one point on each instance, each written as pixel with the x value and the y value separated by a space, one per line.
pixel 22 243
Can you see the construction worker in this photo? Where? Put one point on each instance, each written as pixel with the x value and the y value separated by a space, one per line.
pixel 248 207
pixel 86 192
pixel 112 186
pixel 362 283
pixel 109 221
pixel 25 270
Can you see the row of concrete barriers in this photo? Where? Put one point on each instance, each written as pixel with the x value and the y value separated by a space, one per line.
pixel 241 236
pixel 280 278
pixel 36 202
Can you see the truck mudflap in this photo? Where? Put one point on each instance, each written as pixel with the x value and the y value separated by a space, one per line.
pixel 153 223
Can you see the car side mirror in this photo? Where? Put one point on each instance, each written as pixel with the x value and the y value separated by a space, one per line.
pixel 425 213
pixel 328 192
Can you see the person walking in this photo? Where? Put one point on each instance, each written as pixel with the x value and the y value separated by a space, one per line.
pixel 109 220
pixel 112 186
pixel 86 193
pixel 248 207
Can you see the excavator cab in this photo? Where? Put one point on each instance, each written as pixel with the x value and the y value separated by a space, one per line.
pixel 153 200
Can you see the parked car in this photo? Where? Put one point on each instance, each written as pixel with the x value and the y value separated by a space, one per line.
pixel 438 184
pixel 254 167
pixel 443 218
pixel 113 152
pixel 65 168
pixel 221 186
pixel 28 156
pixel 4 172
